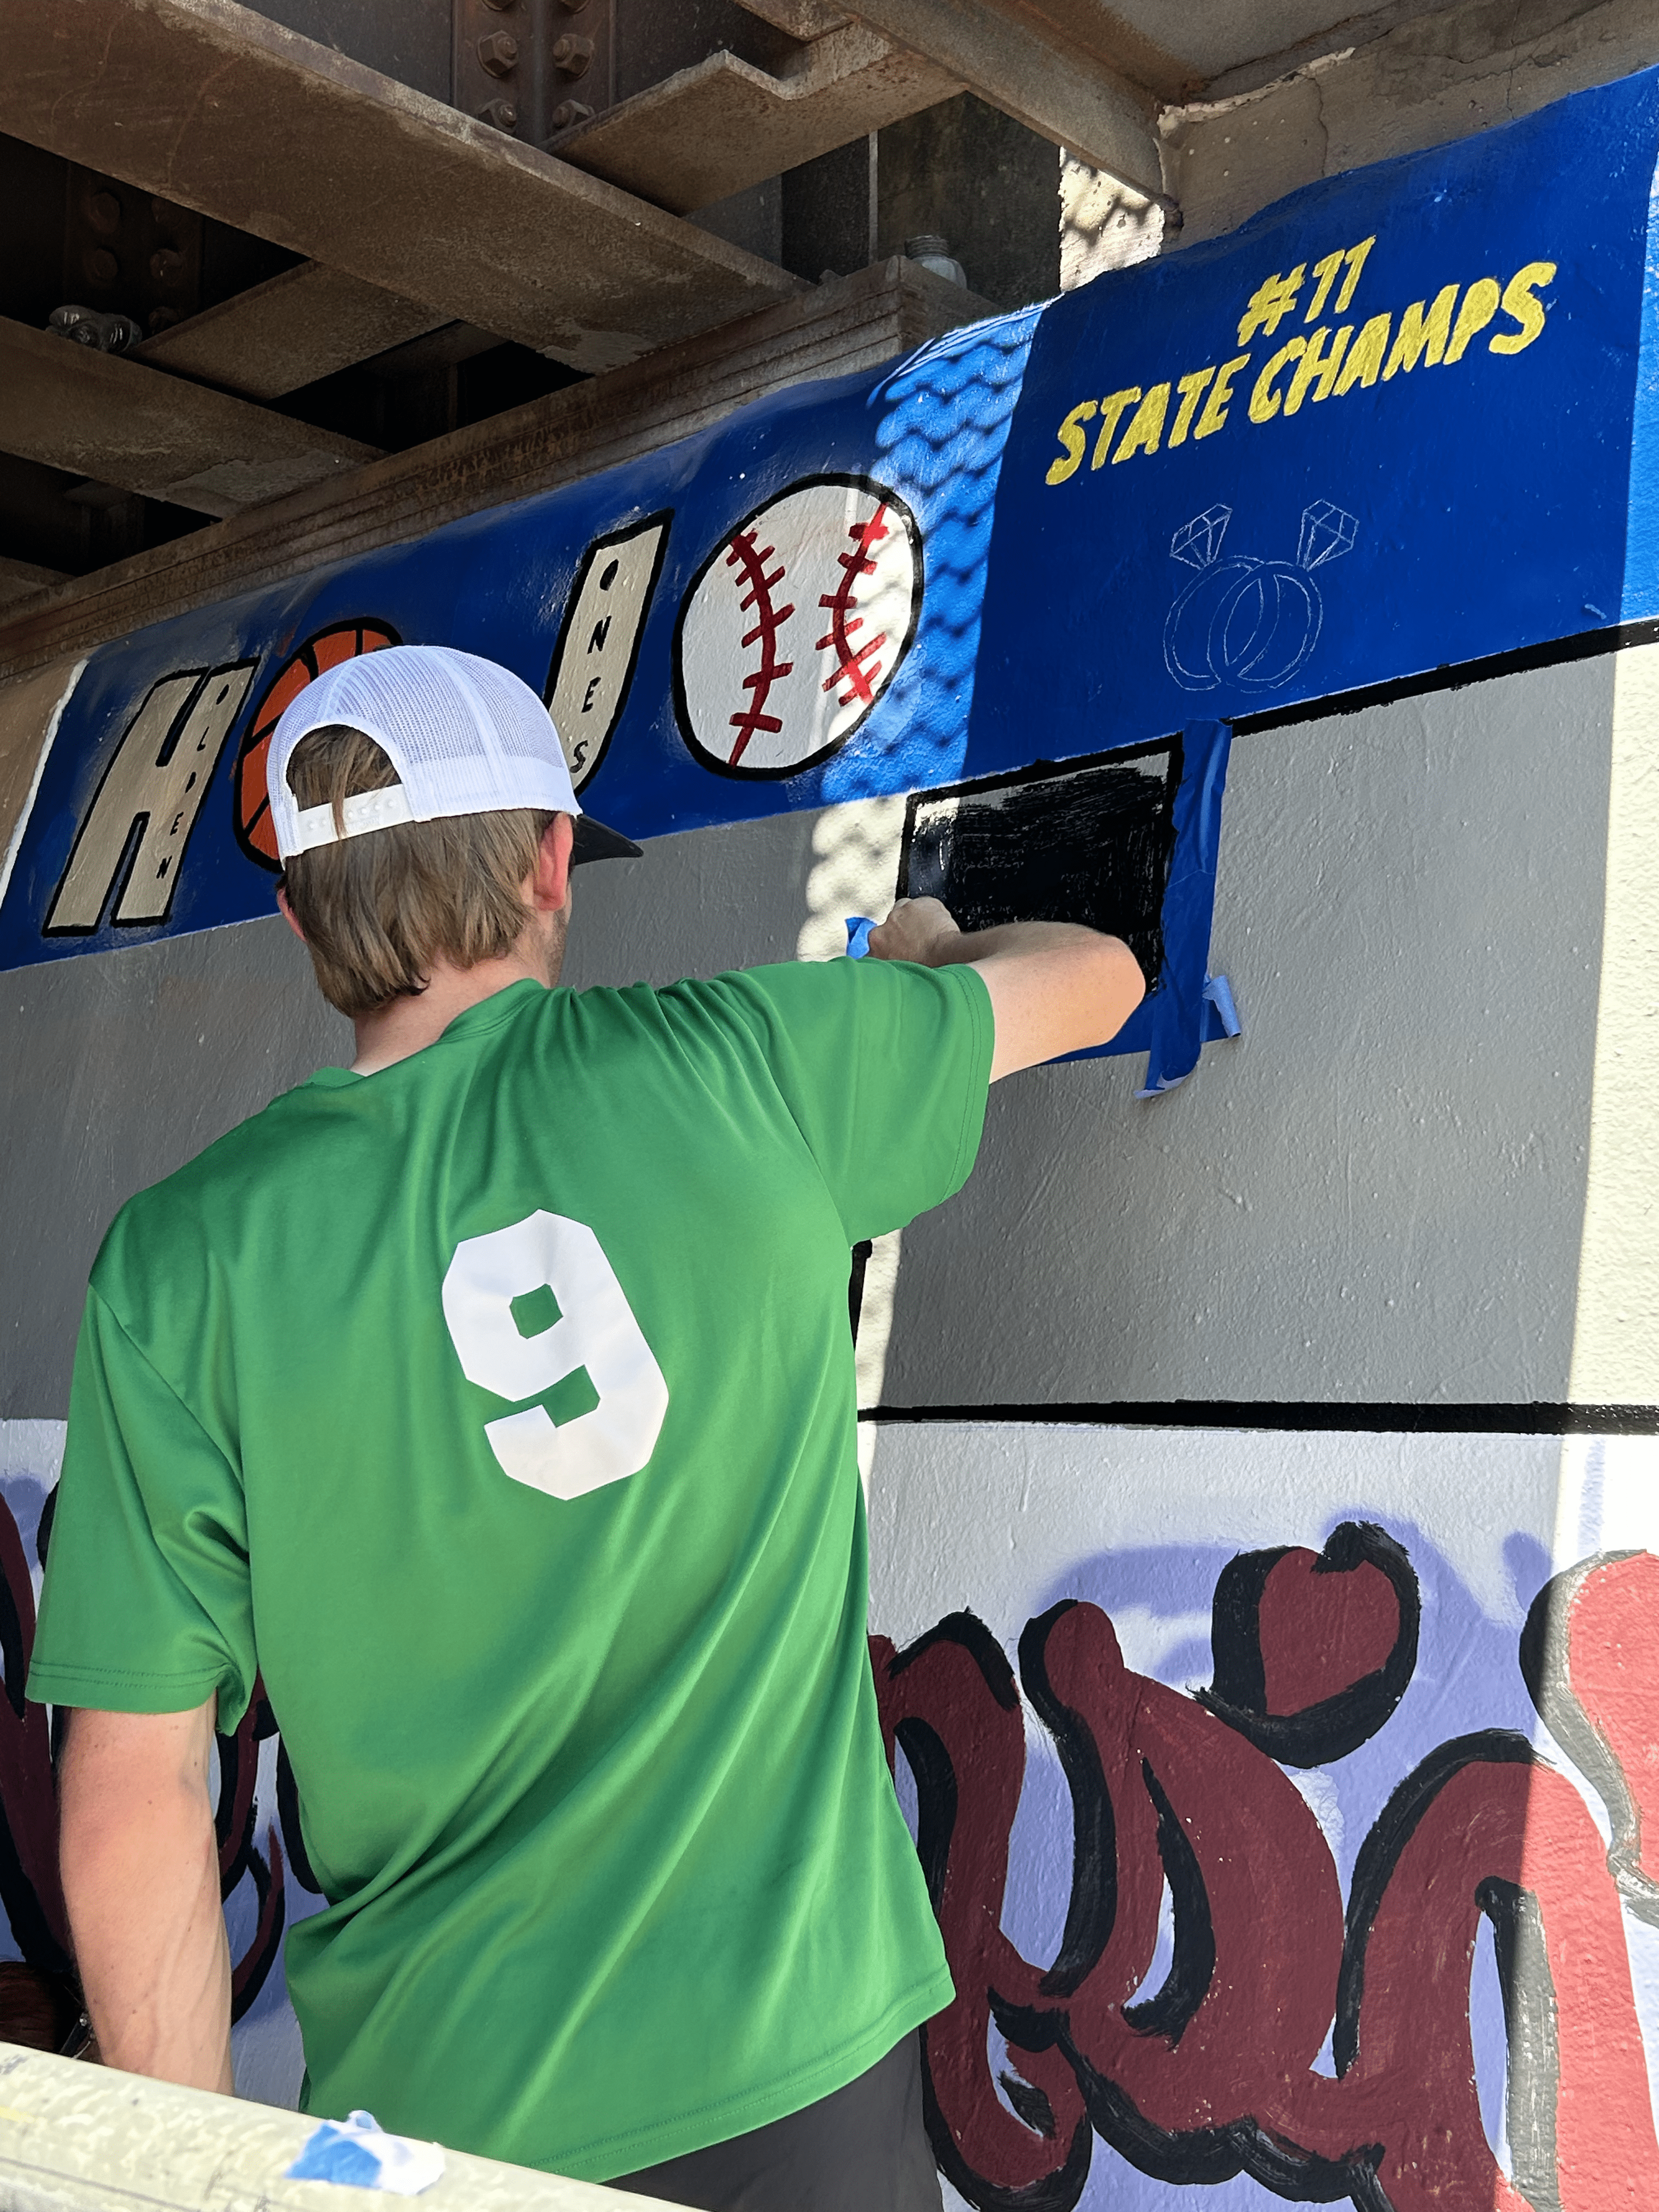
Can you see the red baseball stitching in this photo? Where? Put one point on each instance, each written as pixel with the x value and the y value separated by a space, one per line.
pixel 843 621
pixel 769 622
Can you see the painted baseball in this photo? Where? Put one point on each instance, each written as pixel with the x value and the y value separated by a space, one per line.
pixel 795 625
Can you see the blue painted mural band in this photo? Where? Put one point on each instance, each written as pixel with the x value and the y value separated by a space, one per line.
pixel 858 927
pixel 1404 420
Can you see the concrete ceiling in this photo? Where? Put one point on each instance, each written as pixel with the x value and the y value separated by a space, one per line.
pixel 1208 37
pixel 1199 40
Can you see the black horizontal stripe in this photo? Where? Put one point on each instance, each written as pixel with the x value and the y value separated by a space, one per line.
pixel 1555 653
pixel 1314 1414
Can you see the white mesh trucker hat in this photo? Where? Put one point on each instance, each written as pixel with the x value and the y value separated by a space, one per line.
pixel 466 736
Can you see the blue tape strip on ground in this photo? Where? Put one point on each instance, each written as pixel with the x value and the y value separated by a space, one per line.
pixel 330 2155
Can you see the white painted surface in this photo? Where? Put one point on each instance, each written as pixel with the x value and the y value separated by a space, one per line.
pixel 1376 1194
pixel 115 1069
pixel 994 1515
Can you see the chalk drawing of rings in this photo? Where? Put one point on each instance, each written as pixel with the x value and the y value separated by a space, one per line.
pixel 1246 621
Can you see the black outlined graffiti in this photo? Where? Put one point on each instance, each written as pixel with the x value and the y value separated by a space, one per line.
pixel 1212 2071
pixel 1375 1607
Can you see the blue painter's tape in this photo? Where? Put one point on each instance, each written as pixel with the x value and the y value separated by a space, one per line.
pixel 858 927
pixel 1178 1018
pixel 1179 1006
pixel 357 2152
pixel 1221 1015
pixel 330 2155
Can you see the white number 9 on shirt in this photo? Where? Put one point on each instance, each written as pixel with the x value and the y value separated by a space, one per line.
pixel 596 1330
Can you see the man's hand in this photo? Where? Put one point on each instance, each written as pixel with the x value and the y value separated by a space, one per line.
pixel 1055 986
pixel 920 930
pixel 141 1880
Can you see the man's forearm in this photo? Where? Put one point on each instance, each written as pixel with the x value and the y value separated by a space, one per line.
pixel 1009 938
pixel 141 1881
pixel 1055 986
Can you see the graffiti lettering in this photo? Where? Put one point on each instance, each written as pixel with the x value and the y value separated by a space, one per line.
pixel 598 642
pixel 151 791
pixel 1213 2072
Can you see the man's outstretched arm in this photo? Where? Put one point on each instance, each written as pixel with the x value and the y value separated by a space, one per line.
pixel 141 1879
pixel 1055 986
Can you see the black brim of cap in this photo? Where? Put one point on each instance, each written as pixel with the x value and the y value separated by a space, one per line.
pixel 593 841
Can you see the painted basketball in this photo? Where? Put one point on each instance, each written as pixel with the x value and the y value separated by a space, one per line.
pixel 795 625
pixel 340 641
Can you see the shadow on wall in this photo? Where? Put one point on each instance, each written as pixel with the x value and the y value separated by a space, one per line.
pixel 1212 2007
pixel 943 418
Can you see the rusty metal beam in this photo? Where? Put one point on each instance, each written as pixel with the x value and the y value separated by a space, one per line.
pixel 829 329
pixel 123 423
pixel 1019 59
pixel 717 129
pixel 219 109
pixel 277 337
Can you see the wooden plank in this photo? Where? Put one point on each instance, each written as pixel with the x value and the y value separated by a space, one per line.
pixel 123 423
pixel 276 337
pixel 858 322
pixel 22 579
pixel 707 132
pixel 220 109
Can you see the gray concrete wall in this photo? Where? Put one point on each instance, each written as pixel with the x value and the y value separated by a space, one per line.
pixel 1386 82
pixel 114 1070
pixel 1376 1192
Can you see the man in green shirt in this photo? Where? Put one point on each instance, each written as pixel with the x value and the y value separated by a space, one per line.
pixel 493 1398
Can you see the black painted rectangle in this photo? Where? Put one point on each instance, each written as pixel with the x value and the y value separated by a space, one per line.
pixel 1089 843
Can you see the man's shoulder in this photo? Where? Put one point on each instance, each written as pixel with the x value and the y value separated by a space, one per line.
pixel 780 984
pixel 739 996
pixel 803 990
pixel 170 1221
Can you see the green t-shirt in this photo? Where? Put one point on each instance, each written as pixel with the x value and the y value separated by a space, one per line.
pixel 499 1408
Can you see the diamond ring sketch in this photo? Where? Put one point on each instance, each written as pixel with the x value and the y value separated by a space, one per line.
pixel 1244 620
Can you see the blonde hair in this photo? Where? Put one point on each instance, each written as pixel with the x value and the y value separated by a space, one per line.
pixel 377 910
